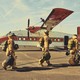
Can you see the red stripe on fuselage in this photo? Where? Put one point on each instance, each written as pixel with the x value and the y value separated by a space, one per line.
pixel 23 38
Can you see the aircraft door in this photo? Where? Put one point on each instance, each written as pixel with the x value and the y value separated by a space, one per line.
pixel 78 33
pixel 66 38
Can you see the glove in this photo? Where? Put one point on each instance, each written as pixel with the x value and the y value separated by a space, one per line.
pixel 67 52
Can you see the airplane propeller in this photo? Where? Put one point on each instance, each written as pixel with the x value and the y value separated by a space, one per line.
pixel 28 27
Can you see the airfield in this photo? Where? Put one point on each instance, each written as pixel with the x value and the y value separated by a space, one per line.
pixel 28 67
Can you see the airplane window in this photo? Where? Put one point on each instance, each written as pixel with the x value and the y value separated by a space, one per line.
pixel 24 39
pixel 54 39
pixel 19 38
pixel 30 38
pixel 34 39
pixel 58 39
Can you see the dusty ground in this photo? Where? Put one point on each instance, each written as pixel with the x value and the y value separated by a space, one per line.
pixel 29 68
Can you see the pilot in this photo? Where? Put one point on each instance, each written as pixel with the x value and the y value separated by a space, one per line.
pixel 45 49
pixel 10 51
pixel 73 47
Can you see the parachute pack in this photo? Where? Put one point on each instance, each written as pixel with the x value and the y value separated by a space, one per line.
pixel 41 40
pixel 15 46
pixel 71 44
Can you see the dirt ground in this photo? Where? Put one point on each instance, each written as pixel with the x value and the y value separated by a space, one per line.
pixel 28 67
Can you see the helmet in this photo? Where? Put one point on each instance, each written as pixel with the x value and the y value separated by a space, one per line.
pixel 46 32
pixel 74 36
pixel 10 35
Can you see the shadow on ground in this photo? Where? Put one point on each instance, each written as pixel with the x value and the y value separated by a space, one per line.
pixel 26 69
pixel 53 66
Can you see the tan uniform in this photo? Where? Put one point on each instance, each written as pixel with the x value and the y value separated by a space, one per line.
pixel 46 43
pixel 73 47
pixel 10 51
pixel 45 49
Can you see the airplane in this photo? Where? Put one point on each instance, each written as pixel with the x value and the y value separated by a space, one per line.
pixel 32 34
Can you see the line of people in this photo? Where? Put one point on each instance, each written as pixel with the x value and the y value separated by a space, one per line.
pixel 44 41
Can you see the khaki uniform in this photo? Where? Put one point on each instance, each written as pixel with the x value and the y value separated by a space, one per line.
pixel 73 47
pixel 46 43
pixel 45 49
pixel 10 51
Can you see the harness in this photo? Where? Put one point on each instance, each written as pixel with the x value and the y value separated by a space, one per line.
pixel 71 44
pixel 42 41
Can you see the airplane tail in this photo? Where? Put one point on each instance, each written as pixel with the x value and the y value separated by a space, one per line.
pixel 78 33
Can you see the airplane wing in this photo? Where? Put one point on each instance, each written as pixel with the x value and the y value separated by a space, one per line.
pixel 34 29
pixel 2 39
pixel 55 17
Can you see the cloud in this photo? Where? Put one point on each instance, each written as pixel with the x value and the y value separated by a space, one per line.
pixel 10 11
pixel 20 5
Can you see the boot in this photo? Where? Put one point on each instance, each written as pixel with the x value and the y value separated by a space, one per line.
pixel 4 65
pixel 41 62
pixel 48 63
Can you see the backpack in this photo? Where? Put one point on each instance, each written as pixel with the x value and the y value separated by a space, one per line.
pixel 5 46
pixel 50 41
pixel 73 44
pixel 46 56
pixel 41 40
pixel 15 46
pixel 10 60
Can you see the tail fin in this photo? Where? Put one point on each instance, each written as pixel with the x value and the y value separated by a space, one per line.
pixel 78 33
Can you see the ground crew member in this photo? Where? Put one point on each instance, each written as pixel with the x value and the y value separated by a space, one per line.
pixel 45 49
pixel 73 47
pixel 10 51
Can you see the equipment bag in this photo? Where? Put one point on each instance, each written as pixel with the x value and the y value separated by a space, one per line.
pixel 10 60
pixel 46 56
pixel 5 46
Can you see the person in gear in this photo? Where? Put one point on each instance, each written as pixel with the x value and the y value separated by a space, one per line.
pixel 72 48
pixel 45 41
pixel 10 53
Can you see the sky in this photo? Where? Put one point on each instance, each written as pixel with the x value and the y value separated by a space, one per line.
pixel 15 13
